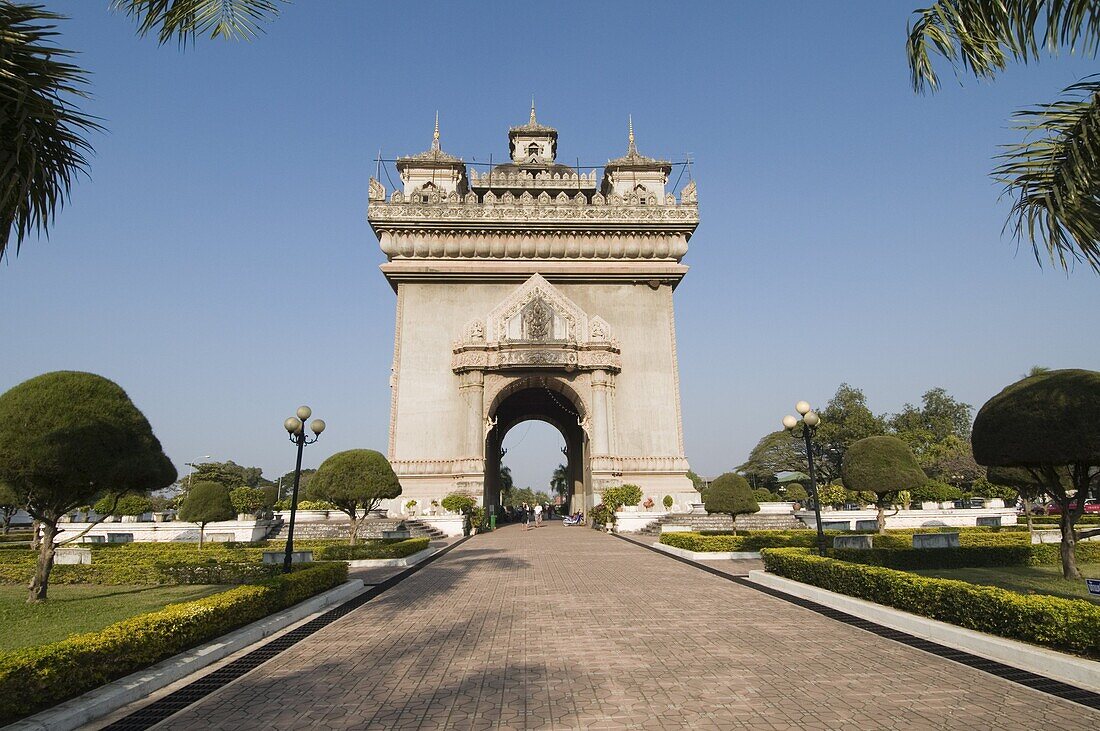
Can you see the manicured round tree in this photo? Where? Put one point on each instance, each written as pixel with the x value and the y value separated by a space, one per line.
pixel 882 465
pixel 206 502
pixel 667 502
pixel 66 437
pixel 796 492
pixel 730 494
pixel 1046 424
pixel 355 480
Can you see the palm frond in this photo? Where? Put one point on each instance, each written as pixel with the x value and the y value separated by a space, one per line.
pixel 42 143
pixel 1054 175
pixel 981 36
pixel 187 20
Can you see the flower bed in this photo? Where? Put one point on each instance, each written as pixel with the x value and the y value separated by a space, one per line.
pixel 1062 624
pixel 39 677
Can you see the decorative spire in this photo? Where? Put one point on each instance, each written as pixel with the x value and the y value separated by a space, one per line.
pixel 435 135
pixel 630 148
pixel 533 122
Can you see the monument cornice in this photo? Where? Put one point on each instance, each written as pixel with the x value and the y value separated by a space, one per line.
pixel 567 356
pixel 421 216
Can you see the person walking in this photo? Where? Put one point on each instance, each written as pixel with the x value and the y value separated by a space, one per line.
pixel 526 516
pixel 538 515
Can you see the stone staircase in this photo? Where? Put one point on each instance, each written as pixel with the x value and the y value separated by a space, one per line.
pixel 339 529
pixel 705 521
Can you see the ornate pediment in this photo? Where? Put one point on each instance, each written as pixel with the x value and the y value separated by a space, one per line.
pixel 536 326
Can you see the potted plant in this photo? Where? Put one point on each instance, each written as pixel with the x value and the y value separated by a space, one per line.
pixel 603 516
pixel 667 502
pixel 434 508
pixel 410 508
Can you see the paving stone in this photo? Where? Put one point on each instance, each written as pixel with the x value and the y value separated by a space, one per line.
pixel 567 628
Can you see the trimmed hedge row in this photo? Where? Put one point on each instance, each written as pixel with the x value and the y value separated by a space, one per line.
pixel 1044 554
pixel 1063 624
pixel 175 563
pixel 347 552
pixel 35 678
pixel 756 540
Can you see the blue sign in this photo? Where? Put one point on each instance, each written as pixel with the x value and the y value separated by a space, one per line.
pixel 1094 585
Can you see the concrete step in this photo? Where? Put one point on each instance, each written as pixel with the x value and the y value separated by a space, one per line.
pixel 339 529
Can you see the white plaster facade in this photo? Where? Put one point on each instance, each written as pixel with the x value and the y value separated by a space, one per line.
pixel 535 291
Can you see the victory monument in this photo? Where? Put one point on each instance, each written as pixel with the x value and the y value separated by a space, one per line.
pixel 534 290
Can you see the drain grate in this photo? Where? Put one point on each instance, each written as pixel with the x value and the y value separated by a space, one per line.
pixel 1025 678
pixel 198 689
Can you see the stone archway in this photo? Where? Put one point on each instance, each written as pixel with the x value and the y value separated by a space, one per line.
pixel 550 400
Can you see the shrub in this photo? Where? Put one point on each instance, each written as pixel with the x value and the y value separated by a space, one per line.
pixel 764 495
pixel 978 553
pixel 602 515
pixel 616 497
pixel 371 550
pixel 982 487
pixel 796 492
pixel 247 499
pixel 935 491
pixel 667 502
pixel 831 494
pixel 313 505
pixel 35 678
pixel 1064 624
pixel 740 541
pixel 457 502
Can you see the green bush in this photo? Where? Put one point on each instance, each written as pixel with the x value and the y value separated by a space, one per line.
pixel 127 505
pixel 1063 624
pixel 934 491
pixel 457 502
pixel 741 541
pixel 667 502
pixel 247 499
pixel 616 497
pixel 602 515
pixel 35 678
pixel 370 550
pixel 764 495
pixel 970 556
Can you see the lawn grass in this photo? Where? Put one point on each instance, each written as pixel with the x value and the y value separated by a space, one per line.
pixel 82 608
pixel 1025 579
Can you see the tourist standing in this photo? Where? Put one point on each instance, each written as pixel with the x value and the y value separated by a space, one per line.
pixel 538 514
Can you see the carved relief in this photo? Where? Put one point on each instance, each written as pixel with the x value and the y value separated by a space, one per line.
pixel 689 196
pixel 538 320
pixel 376 191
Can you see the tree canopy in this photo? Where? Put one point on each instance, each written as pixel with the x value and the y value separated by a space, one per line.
pixel 730 494
pixel 1052 173
pixel 882 465
pixel 845 420
pixel 355 481
pixel 1045 424
pixel 206 502
pixel 939 427
pixel 775 452
pixel 228 473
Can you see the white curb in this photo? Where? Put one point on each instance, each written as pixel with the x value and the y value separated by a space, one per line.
pixel 410 560
pixel 1041 661
pixel 108 698
pixel 707 555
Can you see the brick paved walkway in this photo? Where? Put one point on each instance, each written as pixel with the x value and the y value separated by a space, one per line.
pixel 568 628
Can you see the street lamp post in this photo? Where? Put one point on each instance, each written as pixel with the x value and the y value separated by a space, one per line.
pixel 296 428
pixel 809 422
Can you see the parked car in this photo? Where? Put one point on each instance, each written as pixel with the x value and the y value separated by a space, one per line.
pixel 1091 506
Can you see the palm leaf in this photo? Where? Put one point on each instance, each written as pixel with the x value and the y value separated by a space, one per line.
pixel 1054 175
pixel 186 20
pixel 42 144
pixel 981 36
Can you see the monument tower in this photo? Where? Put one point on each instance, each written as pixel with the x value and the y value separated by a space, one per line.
pixel 534 290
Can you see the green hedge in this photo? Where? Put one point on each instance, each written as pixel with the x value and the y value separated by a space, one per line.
pixel 1045 554
pixel 756 540
pixel 186 563
pixel 744 542
pixel 35 678
pixel 1063 624
pixel 1084 520
pixel 347 552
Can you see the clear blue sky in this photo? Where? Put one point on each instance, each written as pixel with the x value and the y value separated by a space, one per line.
pixel 218 264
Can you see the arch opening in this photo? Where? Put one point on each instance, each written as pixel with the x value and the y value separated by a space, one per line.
pixel 551 402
